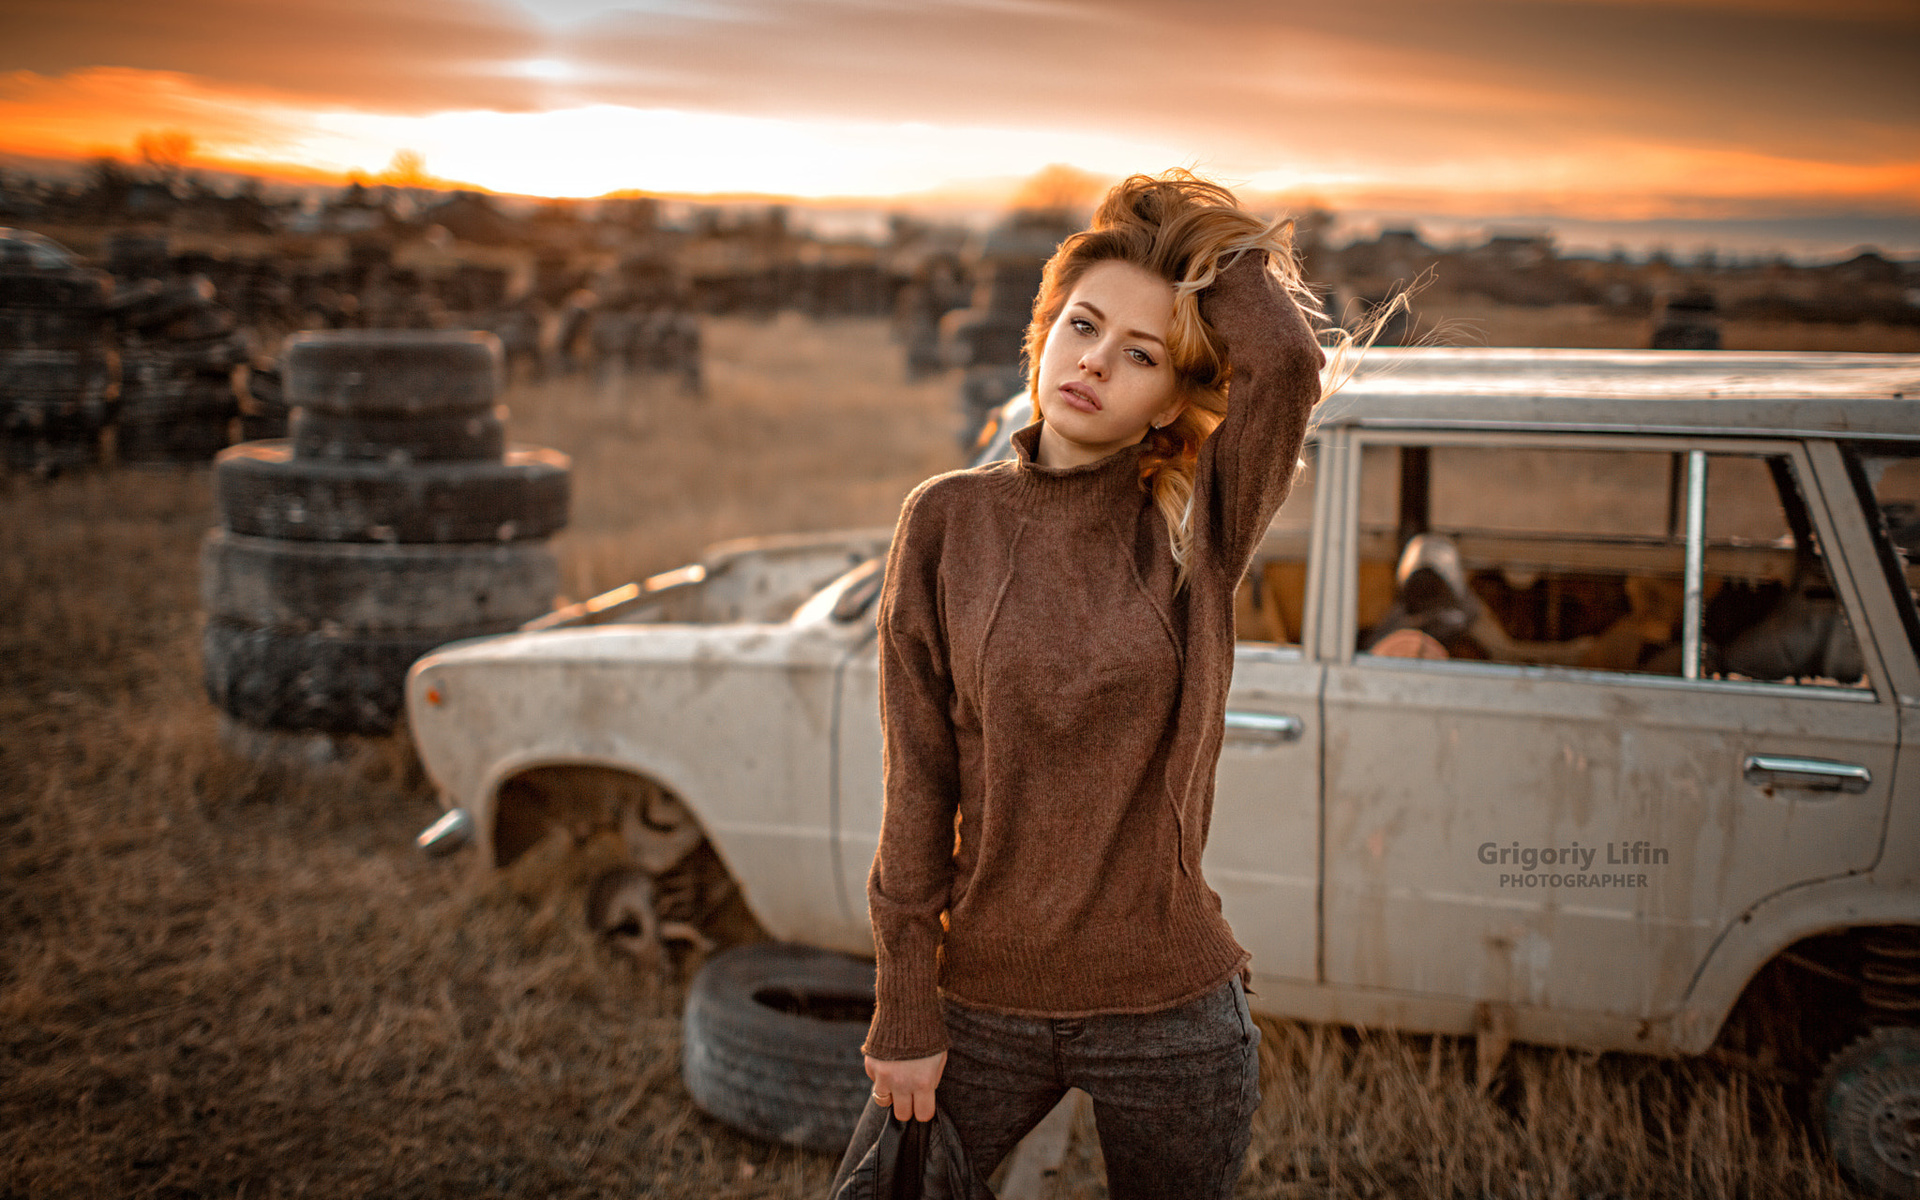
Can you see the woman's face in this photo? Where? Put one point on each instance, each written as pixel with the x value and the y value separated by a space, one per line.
pixel 1106 374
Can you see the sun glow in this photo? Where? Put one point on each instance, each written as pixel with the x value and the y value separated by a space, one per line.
pixel 550 70
pixel 593 150
pixel 582 151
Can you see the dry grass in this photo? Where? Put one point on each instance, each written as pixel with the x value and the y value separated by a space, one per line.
pixel 805 425
pixel 219 978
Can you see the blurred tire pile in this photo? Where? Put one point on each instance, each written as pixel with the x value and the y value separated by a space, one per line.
pixel 989 338
pixel 183 358
pixel 393 519
pixel 59 375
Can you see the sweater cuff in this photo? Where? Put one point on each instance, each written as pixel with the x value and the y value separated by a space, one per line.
pixel 906 1019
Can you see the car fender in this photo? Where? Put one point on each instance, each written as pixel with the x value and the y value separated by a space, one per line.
pixel 734 720
pixel 1772 926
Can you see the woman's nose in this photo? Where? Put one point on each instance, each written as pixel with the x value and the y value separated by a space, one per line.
pixel 1093 360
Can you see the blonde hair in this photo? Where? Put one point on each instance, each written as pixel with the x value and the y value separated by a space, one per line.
pixel 1186 230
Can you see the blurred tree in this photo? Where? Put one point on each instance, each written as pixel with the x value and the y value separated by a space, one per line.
pixel 165 152
pixel 1058 188
pixel 408 169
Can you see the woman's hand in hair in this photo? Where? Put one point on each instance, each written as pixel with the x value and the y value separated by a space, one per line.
pixel 1248 308
pixel 908 1084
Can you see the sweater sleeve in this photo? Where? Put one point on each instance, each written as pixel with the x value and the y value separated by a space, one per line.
pixel 912 875
pixel 1247 466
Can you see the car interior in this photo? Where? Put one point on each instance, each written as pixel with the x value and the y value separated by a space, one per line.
pixel 1573 557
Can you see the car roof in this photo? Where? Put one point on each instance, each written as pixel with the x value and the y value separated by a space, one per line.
pixel 1710 391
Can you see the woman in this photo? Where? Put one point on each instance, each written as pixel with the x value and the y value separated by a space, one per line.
pixel 1056 641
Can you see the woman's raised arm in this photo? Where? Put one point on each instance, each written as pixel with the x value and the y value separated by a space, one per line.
pixel 1248 464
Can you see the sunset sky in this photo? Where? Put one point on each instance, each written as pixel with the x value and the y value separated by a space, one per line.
pixel 1605 109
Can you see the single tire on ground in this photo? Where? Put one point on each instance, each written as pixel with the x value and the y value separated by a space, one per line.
pixel 357 588
pixel 771 1042
pixel 393 372
pixel 1868 1107
pixel 460 437
pixel 313 681
pixel 264 490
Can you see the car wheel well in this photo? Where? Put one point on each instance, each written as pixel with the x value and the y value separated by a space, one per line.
pixel 669 883
pixel 585 799
pixel 1817 996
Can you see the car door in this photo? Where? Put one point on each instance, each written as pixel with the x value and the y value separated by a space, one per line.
pixel 1671 715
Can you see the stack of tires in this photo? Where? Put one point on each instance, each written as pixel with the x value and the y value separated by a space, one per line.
pixel 393 520
pixel 264 412
pixel 58 375
pixel 989 339
pixel 182 363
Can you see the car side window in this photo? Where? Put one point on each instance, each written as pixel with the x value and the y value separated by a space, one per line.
pixel 1520 554
pixel 1577 557
pixel 1271 604
pixel 1770 610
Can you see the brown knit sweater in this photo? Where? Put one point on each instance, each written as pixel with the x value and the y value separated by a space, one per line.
pixel 1053 709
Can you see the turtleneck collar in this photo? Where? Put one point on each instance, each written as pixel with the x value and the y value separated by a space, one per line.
pixel 1102 485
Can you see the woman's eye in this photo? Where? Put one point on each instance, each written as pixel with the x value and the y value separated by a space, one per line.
pixel 1141 356
pixel 1082 325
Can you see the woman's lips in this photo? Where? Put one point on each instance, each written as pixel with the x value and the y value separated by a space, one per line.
pixel 1080 397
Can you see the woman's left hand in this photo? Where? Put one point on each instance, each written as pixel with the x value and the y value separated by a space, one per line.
pixel 907 1085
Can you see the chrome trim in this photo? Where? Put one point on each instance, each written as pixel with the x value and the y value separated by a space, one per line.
pixel 1544 673
pixel 453 830
pixel 1696 560
pixel 1264 727
pixel 1816 774
pixel 1637 429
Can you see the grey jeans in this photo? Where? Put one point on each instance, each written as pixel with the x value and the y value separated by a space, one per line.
pixel 1173 1091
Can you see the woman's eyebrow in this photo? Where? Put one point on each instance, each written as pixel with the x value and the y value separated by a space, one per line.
pixel 1137 333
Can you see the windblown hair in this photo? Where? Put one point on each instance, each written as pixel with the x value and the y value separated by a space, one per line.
pixel 1185 230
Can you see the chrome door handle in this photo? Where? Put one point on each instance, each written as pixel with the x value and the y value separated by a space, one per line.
pixel 1266 728
pixel 1814 774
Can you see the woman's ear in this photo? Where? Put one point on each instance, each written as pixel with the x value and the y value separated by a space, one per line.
pixel 1169 414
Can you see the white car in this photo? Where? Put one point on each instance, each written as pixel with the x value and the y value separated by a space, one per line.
pixel 1577 695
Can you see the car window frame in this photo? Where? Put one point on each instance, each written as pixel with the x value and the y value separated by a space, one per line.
pixel 1338 594
pixel 1904 602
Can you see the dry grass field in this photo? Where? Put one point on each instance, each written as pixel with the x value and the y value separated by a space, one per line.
pixel 219 978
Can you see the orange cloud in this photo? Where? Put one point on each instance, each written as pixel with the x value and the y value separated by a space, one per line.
pixel 417 56
pixel 103 111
